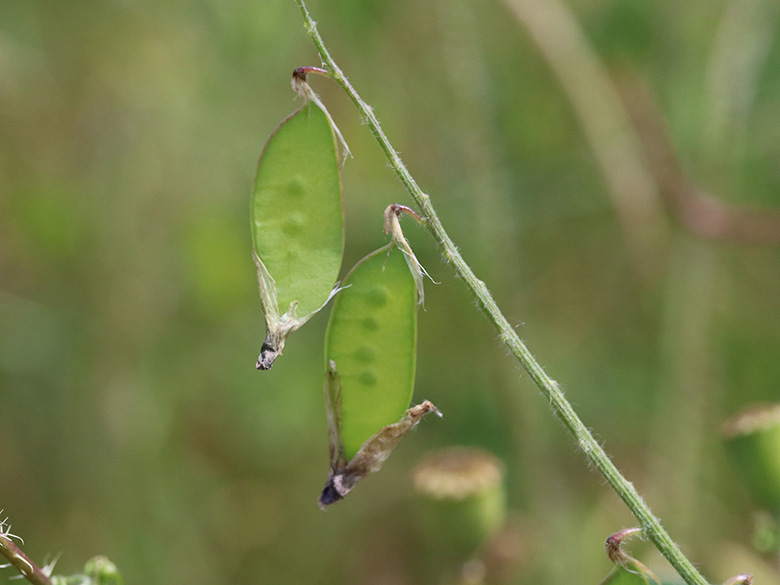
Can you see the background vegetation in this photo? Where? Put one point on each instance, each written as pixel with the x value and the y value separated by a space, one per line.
pixel 133 421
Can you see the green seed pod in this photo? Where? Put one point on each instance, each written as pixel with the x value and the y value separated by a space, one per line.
pixel 372 337
pixel 460 501
pixel 370 354
pixel 297 224
pixel 753 444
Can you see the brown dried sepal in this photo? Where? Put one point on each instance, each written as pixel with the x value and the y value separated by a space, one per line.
pixel 392 228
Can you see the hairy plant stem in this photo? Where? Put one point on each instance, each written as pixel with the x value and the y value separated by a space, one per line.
pixel 21 562
pixel 549 387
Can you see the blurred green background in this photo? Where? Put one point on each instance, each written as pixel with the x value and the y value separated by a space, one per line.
pixel 132 420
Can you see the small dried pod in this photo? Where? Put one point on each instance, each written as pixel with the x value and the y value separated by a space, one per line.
pixel 370 356
pixel 752 441
pixel 297 222
pixel 460 501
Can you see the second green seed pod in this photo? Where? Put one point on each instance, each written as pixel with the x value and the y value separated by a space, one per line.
pixel 372 339
pixel 370 356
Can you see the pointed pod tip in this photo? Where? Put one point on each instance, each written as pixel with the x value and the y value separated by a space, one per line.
pixel 330 495
pixel 266 360
pixel 268 354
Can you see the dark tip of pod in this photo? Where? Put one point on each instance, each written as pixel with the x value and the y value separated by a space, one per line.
pixel 329 496
pixel 268 354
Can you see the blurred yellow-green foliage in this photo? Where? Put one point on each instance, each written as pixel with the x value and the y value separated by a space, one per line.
pixel 132 421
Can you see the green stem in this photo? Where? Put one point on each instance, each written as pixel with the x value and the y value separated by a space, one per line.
pixel 549 387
